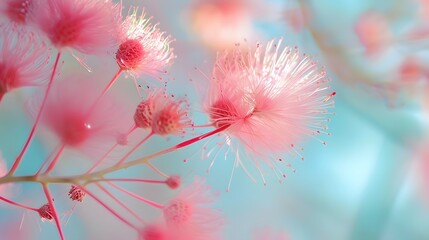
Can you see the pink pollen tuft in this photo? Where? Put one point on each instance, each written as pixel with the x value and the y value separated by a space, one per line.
pixel 17 10
pixel 76 194
pixel 130 54
pixel 45 212
pixel 173 182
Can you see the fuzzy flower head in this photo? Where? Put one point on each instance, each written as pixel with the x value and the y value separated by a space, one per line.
pixel 372 30
pixel 89 26
pixel 24 61
pixel 190 215
pixel 78 120
pixel 143 47
pixel 269 98
pixel 16 11
pixel 162 114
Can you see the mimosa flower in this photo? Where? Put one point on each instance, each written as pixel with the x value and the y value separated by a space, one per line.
pixel 143 47
pixel 190 215
pixel 270 99
pixel 78 120
pixel 88 26
pixel 16 11
pixel 24 61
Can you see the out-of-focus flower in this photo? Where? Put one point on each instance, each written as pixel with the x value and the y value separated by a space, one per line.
pixel 297 17
pixel 143 47
pixel 155 232
pixel 423 8
pixel 269 99
pixel 190 215
pixel 16 11
pixel 372 30
pixel 411 70
pixel 220 23
pixel 89 26
pixel 72 114
pixel 24 61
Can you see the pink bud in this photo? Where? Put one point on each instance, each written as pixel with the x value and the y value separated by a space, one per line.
pixel 76 194
pixel 173 182
pixel 45 212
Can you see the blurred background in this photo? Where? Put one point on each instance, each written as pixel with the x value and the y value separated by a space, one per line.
pixel 369 182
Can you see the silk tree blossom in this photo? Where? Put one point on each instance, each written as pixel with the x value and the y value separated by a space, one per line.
pixel 88 26
pixel 143 116
pixel 72 114
pixel 162 114
pixel 191 216
pixel 271 99
pixel 24 61
pixel 16 11
pixel 143 47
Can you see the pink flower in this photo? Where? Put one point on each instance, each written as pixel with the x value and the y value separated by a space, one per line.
pixel 219 23
pixel 190 215
pixel 373 32
pixel 411 70
pixel 270 99
pixel 72 114
pixel 143 116
pixel 89 26
pixel 162 114
pixel 143 47
pixel 24 61
pixel 16 11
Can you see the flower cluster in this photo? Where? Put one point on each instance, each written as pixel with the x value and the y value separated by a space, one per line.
pixel 265 100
